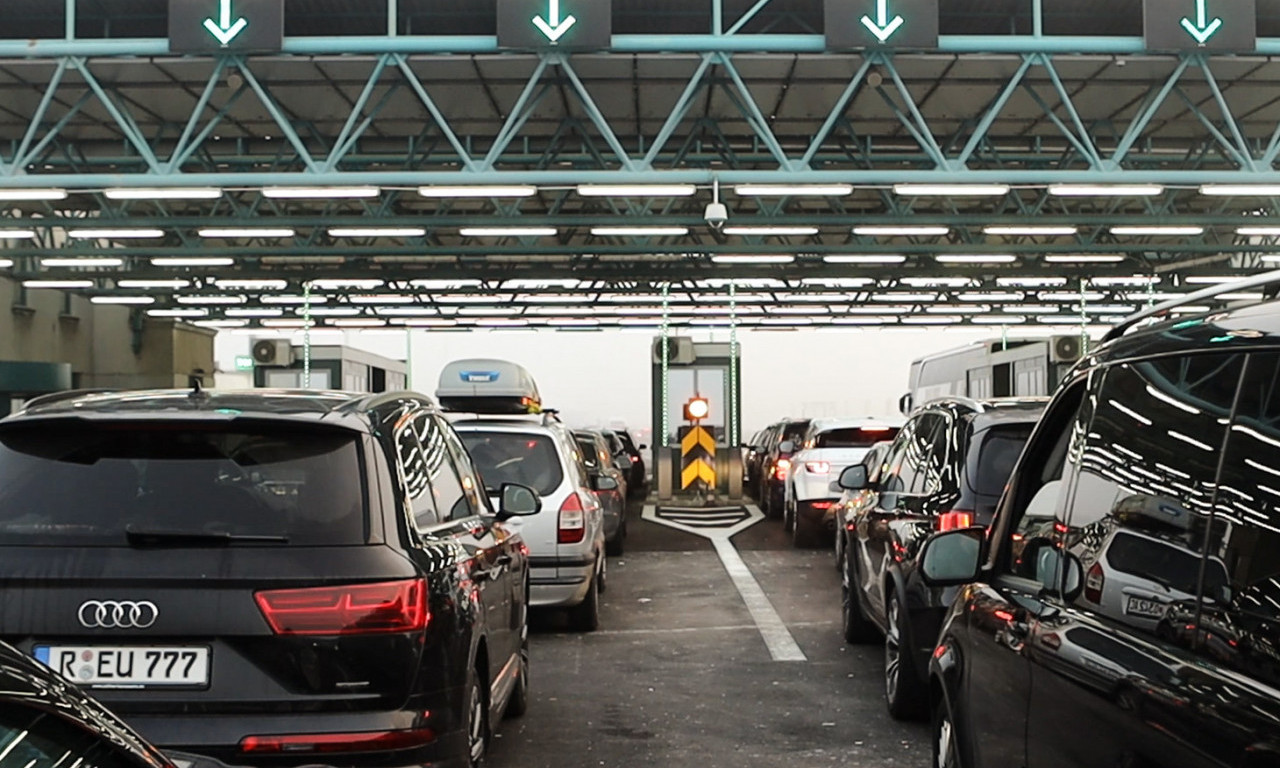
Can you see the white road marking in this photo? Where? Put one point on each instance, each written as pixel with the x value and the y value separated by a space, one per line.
pixel 691 630
pixel 777 638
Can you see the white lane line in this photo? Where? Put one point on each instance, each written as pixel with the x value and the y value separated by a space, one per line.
pixel 782 646
pixel 693 630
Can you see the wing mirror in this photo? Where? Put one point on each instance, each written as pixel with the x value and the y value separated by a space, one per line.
pixel 515 500
pixel 852 478
pixel 952 558
pixel 603 483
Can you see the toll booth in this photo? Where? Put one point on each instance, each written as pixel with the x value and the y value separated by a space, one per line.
pixel 696 456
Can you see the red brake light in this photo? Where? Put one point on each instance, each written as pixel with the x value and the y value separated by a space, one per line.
pixel 337 742
pixel 1094 581
pixel 393 606
pixel 955 520
pixel 821 504
pixel 780 469
pixel 818 467
pixel 572 525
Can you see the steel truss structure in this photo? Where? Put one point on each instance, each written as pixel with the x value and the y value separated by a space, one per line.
pixel 110 131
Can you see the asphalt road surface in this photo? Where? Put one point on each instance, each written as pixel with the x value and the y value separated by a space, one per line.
pixel 679 675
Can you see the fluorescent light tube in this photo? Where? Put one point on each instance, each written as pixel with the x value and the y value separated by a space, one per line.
pixel 789 190
pixel 162 193
pixel 1105 190
pixel 636 190
pixel 478 191
pixel 951 190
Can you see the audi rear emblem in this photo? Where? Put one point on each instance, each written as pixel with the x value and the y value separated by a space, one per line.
pixel 118 614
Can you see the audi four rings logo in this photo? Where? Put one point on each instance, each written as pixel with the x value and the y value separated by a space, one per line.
pixel 118 614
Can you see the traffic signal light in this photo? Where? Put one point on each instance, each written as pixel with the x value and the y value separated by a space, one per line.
pixel 697 408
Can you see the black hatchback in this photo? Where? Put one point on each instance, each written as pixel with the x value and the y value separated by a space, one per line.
pixel 268 578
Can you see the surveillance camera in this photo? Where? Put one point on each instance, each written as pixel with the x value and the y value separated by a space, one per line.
pixel 716 214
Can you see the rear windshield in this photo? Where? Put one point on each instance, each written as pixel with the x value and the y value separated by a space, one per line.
pixel 1167 564
pixel 511 457
pixel 853 437
pixel 90 484
pixel 795 431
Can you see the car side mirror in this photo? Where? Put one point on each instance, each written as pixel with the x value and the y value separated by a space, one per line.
pixel 853 478
pixel 834 486
pixel 952 558
pixel 787 446
pixel 515 500
pixel 603 483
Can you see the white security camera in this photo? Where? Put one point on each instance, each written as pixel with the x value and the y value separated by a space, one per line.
pixel 716 214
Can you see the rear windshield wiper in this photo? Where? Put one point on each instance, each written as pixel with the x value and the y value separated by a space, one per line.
pixel 171 538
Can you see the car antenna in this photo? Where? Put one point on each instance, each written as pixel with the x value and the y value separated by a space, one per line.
pixel 197 392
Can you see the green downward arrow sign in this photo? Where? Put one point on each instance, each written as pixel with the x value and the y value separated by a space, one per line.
pixel 1201 29
pixel 224 30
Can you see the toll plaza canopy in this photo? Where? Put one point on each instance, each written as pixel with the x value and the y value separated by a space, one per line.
pixel 575 163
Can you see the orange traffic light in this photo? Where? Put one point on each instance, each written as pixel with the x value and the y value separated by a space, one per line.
pixel 697 409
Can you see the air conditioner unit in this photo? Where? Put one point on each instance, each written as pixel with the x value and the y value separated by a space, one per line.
pixel 1065 349
pixel 679 350
pixel 272 352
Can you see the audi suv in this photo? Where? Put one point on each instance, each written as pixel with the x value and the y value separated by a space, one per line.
pixel 268 578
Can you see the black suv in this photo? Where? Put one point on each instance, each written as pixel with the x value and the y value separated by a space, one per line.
pixel 1122 610
pixel 268 578
pixel 945 470
pixel 784 440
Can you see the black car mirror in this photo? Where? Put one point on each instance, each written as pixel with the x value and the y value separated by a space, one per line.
pixel 787 446
pixel 952 558
pixel 853 478
pixel 834 486
pixel 515 500
pixel 603 483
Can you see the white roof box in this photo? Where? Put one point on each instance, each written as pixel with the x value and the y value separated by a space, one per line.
pixel 488 386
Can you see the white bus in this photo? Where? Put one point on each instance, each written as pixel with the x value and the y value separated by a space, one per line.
pixel 994 368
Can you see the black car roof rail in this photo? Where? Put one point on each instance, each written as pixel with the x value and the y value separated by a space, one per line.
pixel 1264 280
pixel 66 394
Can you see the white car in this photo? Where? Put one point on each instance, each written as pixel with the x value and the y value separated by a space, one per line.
pixel 829 446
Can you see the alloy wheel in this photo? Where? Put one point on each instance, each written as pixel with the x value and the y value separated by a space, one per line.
pixel 944 744
pixel 475 723
pixel 892 648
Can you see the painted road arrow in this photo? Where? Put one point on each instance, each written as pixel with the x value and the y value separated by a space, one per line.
pixel 224 30
pixel 1202 29
pixel 553 27
pixel 883 27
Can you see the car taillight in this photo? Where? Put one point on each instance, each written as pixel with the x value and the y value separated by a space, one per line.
pixel 955 520
pixel 817 467
pixel 572 526
pixel 821 504
pixel 365 741
pixel 354 609
pixel 781 468
pixel 1094 581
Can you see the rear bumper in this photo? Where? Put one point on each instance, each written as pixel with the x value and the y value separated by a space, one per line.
pixel 219 736
pixel 560 581
pixel 825 518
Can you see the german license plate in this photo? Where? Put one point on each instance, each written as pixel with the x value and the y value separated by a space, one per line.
pixel 1137 606
pixel 131 667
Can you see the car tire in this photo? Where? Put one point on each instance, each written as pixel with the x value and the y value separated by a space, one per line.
pixel 788 517
pixel 946 743
pixel 518 704
pixel 858 629
pixel 477 720
pixel 903 692
pixel 585 616
pixel 602 575
pixel 838 549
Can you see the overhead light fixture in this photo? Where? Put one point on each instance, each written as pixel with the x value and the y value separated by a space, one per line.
pixel 901 230
pixel 162 193
pixel 122 300
pixel 428 322
pixel 228 323
pixel 32 195
pixel 639 231
pixel 338 283
pixel 358 322
pixel 17 234
pixel 192 261
pixel 188 312
pixel 1240 190
pixel 58 284
pixel 153 284
pixel 382 298
pixel 6 263
pixel 255 312
pixel 1066 296
pixel 329 311
pixel 975 258
pixel 1211 279
pixel 909 297
pixel 87 262
pixel 1030 282
pixel 1123 281
pixel 1030 230
pixel 294 299
pixel 951 190
pixel 931 320
pixel 320 193
pixel 508 231
pixel 1083 258
pixel 753 258
pixel 377 231
pixel 283 322
pixel 1105 190
pixel 997 320
pixel 864 258
pixel 790 190
pixel 114 234
pixel 957 309
pixel 209 299
pixel 1155 230
pixel 246 232
pixel 1246 231
pixel 991 296
pixel 478 191
pixel 771 231
pixel 250 284
pixel 501 322
pixel 406 311
pixel 636 190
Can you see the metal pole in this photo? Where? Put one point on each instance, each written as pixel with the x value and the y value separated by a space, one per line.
pixel 69 18
pixel 393 21
pixel 666 394
pixel 734 415
pixel 1037 18
pixel 1084 320
pixel 306 335
pixel 408 359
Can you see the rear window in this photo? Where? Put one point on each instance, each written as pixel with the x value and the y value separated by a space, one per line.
pixel 512 457
pixel 90 484
pixel 1167 564
pixel 795 432
pixel 853 437
pixel 993 461
pixel 588 448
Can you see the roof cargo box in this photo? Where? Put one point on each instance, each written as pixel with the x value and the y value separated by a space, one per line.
pixel 488 386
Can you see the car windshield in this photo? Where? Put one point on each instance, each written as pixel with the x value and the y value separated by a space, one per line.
pixel 515 457
pixel 853 437
pixel 35 738
pixel 96 484
pixel 1170 565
